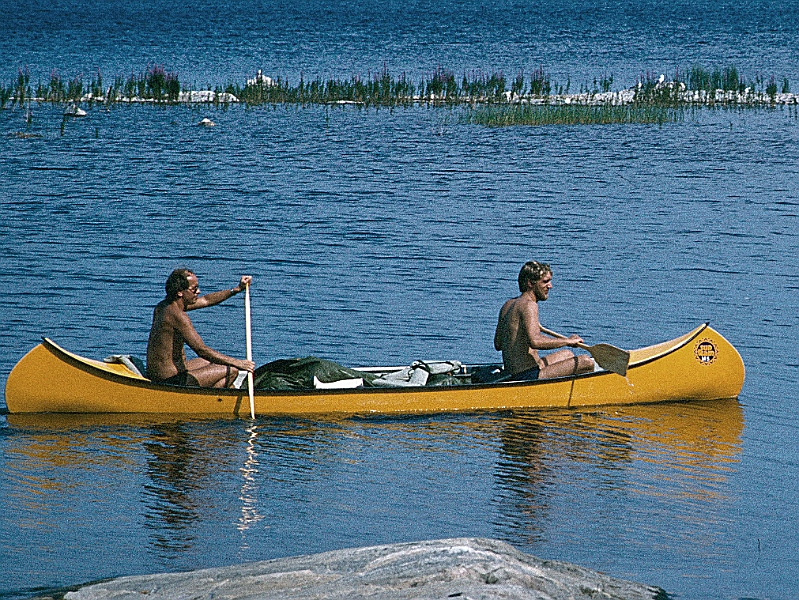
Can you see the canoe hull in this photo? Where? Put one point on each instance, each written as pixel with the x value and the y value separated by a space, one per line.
pixel 700 365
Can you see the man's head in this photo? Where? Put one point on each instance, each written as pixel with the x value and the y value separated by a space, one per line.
pixel 178 281
pixel 535 276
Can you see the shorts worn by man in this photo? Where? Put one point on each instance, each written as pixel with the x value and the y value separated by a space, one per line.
pixel 519 336
pixel 172 329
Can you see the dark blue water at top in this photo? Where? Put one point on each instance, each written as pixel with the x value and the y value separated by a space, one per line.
pixel 387 236
pixel 217 43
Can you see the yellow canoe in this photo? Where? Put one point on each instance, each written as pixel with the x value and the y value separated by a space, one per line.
pixel 700 365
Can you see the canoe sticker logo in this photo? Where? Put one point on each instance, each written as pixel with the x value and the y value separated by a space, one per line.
pixel 706 352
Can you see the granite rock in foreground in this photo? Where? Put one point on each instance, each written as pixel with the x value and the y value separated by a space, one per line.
pixel 452 568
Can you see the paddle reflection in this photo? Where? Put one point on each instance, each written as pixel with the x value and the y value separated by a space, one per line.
pixel 250 513
pixel 224 472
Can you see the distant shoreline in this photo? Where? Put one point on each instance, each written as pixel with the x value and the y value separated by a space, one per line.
pixel 697 86
pixel 686 98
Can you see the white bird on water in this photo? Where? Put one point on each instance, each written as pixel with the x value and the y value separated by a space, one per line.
pixel 260 79
pixel 73 110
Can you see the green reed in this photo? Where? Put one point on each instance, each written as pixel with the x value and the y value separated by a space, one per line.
pixel 735 87
pixel 6 93
pixel 441 87
pixel 156 83
pixel 380 89
pixel 572 114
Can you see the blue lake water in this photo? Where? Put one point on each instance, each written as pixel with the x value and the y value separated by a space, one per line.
pixel 391 235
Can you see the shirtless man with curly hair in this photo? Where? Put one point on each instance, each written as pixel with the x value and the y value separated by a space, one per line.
pixel 519 336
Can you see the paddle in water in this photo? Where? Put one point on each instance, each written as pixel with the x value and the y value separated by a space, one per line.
pixel 606 356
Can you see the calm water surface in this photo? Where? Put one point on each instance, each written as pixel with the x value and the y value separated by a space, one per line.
pixel 387 236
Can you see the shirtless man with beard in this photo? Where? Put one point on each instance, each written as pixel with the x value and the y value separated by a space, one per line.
pixel 519 336
pixel 172 328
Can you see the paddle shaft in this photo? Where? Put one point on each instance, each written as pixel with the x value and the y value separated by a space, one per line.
pixel 563 337
pixel 248 326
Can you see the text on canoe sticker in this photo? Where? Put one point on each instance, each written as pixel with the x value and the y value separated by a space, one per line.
pixel 705 352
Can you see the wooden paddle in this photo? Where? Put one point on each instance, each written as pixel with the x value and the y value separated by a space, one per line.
pixel 608 357
pixel 248 325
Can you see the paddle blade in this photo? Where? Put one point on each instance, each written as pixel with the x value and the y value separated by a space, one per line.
pixel 610 358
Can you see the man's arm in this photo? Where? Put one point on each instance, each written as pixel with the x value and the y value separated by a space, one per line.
pixel 215 298
pixel 195 342
pixel 540 341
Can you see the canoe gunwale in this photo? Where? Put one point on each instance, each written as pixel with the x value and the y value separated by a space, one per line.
pixel 79 362
pixel 670 347
pixel 85 365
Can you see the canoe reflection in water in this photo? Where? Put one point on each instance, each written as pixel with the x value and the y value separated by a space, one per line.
pixel 274 486
pixel 176 480
pixel 669 457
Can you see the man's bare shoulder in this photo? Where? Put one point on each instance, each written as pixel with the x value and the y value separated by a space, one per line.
pixel 168 313
pixel 507 305
pixel 510 311
pixel 521 309
pixel 519 304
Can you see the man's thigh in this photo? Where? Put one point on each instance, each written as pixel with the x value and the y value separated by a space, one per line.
pixel 557 356
pixel 208 374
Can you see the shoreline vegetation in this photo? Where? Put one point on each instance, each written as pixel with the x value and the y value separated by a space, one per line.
pixel 494 100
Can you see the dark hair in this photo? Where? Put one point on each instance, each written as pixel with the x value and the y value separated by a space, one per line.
pixel 177 281
pixel 531 272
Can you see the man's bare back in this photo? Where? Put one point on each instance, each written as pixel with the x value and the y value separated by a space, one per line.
pixel 166 356
pixel 519 337
pixel 517 318
pixel 172 329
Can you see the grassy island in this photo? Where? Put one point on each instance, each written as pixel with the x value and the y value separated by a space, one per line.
pixel 491 99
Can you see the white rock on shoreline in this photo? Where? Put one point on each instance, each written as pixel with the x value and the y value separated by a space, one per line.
pixel 206 96
pixel 193 97
pixel 452 568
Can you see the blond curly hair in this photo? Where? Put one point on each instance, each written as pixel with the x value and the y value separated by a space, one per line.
pixel 531 272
